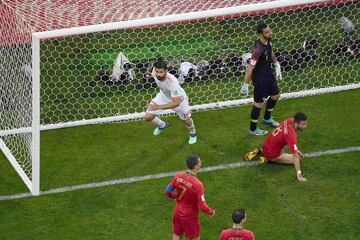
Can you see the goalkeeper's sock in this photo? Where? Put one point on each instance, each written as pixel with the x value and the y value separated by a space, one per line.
pixel 269 108
pixel 158 122
pixel 254 116
pixel 192 128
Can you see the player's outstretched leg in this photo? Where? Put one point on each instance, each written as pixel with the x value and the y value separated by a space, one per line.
pixel 191 126
pixel 158 130
pixel 160 124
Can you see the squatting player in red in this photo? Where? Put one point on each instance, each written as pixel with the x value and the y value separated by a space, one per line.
pixel 237 232
pixel 188 192
pixel 284 134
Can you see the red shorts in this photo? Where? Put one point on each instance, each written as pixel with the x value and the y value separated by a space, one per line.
pixel 271 156
pixel 191 227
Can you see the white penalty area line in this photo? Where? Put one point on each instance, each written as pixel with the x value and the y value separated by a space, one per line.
pixel 165 174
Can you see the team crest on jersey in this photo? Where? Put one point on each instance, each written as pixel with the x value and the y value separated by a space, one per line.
pixel 176 93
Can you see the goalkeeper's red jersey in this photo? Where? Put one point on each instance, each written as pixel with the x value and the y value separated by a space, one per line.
pixel 284 134
pixel 237 234
pixel 189 196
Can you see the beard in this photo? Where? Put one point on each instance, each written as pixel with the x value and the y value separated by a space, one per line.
pixel 160 78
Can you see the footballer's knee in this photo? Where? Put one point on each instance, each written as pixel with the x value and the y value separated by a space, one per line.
pixel 275 97
pixel 149 117
pixel 259 105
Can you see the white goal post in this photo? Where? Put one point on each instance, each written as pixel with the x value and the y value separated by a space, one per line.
pixel 70 71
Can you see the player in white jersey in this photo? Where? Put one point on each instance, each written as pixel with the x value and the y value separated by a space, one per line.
pixel 171 96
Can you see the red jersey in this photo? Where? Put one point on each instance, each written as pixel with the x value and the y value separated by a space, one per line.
pixel 284 134
pixel 237 234
pixel 189 196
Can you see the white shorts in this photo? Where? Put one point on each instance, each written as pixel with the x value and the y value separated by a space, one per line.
pixel 183 110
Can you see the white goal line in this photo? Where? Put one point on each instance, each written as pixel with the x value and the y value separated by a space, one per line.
pixel 165 174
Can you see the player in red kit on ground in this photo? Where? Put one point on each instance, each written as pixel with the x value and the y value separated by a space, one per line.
pixel 188 191
pixel 284 134
pixel 237 232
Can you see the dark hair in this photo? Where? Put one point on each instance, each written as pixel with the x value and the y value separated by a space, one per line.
pixel 261 27
pixel 160 64
pixel 238 215
pixel 300 116
pixel 192 161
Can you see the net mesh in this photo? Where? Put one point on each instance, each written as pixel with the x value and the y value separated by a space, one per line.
pixel 15 87
pixel 106 74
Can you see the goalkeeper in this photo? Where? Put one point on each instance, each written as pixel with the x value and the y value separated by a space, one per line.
pixel 265 86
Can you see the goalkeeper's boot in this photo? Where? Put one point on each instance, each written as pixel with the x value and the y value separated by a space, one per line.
pixel 192 138
pixel 271 122
pixel 263 159
pixel 158 130
pixel 251 155
pixel 258 132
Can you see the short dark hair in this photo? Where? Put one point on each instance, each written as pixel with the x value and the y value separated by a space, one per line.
pixel 238 215
pixel 160 64
pixel 192 161
pixel 261 27
pixel 300 116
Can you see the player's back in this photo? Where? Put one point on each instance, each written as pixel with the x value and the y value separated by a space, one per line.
pixel 189 189
pixel 237 234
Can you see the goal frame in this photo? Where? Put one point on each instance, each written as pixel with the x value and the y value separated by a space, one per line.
pixel 37 37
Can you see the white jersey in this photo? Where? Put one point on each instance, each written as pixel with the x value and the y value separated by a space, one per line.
pixel 184 71
pixel 170 86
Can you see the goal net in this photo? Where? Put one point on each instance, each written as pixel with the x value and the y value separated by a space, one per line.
pixel 86 62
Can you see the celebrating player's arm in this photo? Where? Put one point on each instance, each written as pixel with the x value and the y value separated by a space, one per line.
pixel 174 90
pixel 173 104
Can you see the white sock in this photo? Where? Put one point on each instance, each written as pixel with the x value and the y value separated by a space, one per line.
pixel 158 122
pixel 192 128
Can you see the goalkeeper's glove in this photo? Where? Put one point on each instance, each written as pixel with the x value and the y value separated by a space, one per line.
pixel 245 89
pixel 278 71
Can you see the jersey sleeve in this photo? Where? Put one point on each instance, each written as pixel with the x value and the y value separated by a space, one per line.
pixel 174 88
pixel 291 140
pixel 201 201
pixel 256 53
pixel 170 189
